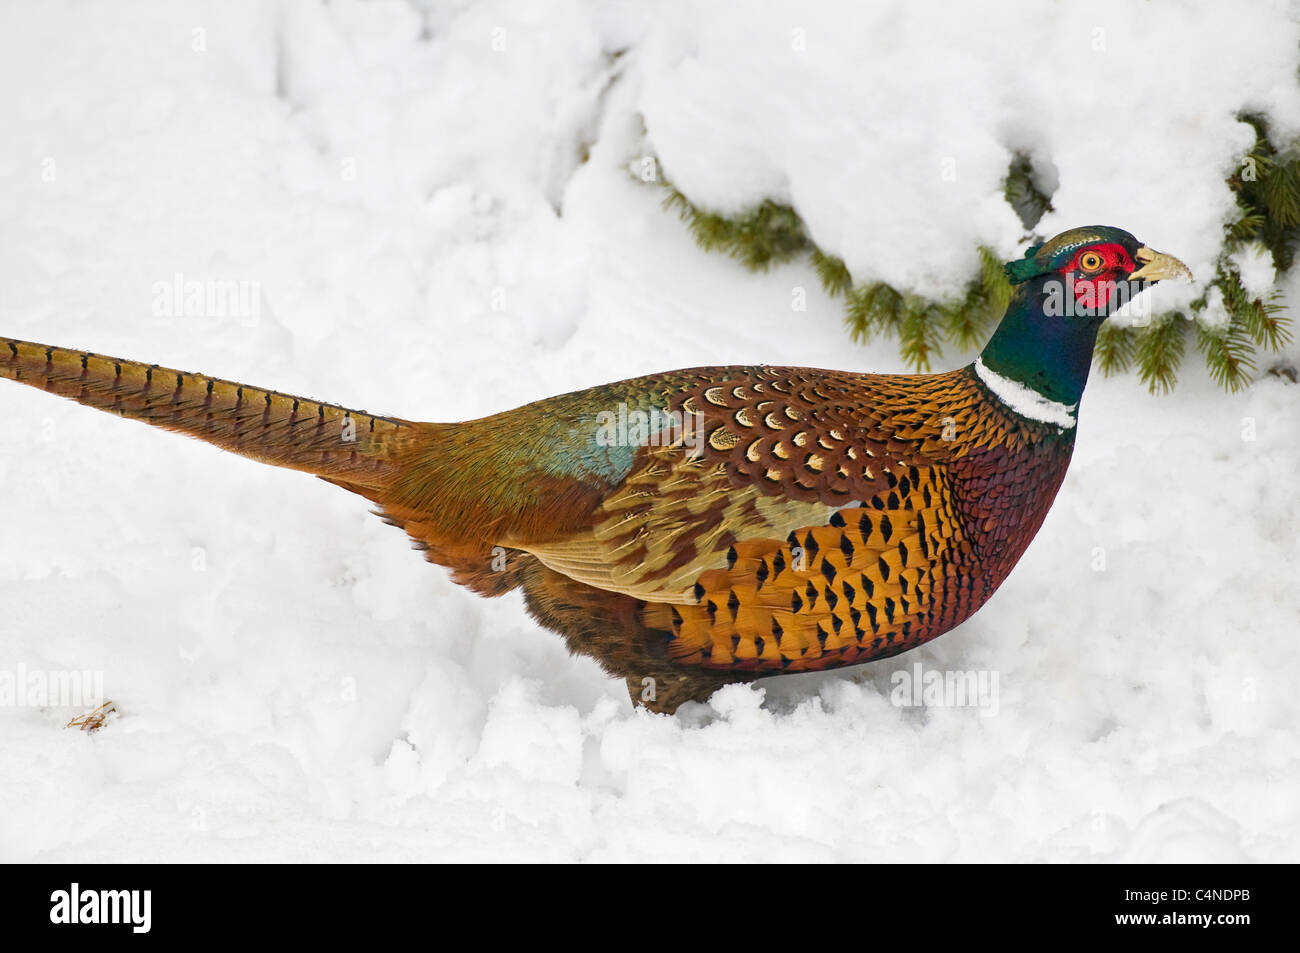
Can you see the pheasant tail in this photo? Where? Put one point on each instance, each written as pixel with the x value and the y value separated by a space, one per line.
pixel 354 449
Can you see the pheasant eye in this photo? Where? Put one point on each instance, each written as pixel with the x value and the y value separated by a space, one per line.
pixel 1091 261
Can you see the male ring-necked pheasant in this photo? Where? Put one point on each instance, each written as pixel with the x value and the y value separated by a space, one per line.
pixel 715 524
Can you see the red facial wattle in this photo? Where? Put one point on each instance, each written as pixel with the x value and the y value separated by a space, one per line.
pixel 1093 289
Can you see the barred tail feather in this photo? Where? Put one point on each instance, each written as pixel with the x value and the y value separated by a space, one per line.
pixel 349 447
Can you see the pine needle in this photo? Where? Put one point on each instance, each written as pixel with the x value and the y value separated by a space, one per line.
pixel 969 321
pixel 1260 318
pixel 768 235
pixel 873 309
pixel 1116 349
pixel 1229 354
pixel 1022 192
pixel 918 331
pixel 1160 351
pixel 832 271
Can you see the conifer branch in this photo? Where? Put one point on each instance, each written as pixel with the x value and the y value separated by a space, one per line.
pixel 873 309
pixel 832 271
pixel 1022 193
pixel 1116 348
pixel 1229 354
pixel 1160 350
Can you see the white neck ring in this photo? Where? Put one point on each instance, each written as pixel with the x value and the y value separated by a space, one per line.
pixel 1024 400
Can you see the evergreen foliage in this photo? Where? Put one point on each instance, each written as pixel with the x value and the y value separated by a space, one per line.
pixel 771 234
pixel 1023 194
pixel 1159 350
pixel 1115 350
pixel 1266 184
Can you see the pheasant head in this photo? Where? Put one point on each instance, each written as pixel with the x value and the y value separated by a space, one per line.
pixel 1063 290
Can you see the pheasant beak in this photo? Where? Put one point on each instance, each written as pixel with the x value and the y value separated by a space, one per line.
pixel 1157 266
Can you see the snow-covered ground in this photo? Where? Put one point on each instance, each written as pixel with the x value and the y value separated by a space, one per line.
pixel 430 210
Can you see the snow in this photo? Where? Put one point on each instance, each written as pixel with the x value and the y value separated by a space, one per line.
pixel 1255 266
pixel 865 114
pixel 1216 314
pixel 433 208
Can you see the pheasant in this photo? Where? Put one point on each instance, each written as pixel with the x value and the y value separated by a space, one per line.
pixel 716 524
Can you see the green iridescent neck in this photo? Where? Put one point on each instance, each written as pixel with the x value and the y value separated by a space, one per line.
pixel 1049 354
